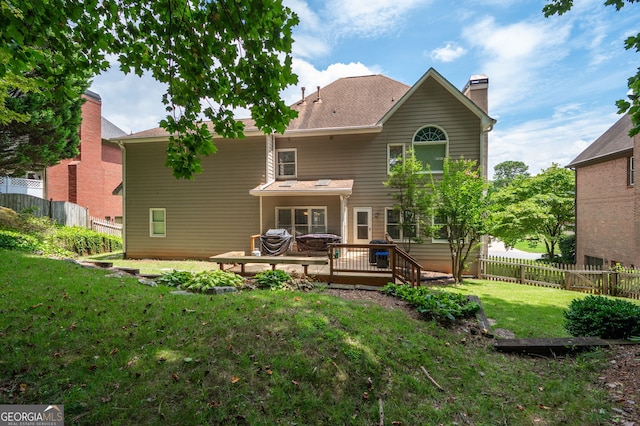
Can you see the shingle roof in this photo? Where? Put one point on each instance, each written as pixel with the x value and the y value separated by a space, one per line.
pixel 110 130
pixel 347 102
pixel 614 141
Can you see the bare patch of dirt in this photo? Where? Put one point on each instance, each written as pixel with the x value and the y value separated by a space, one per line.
pixel 622 382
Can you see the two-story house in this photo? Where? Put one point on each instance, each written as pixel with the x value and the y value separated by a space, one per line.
pixel 608 200
pixel 325 174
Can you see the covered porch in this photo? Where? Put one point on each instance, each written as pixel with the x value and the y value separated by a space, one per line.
pixel 305 208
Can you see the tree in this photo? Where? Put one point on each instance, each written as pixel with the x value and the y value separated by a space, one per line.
pixel 632 106
pixel 408 181
pixel 540 207
pixel 461 206
pixel 213 55
pixel 48 134
pixel 507 171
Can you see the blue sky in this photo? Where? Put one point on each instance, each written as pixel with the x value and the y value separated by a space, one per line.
pixel 553 82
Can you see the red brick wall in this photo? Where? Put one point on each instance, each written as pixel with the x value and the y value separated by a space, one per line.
pixel 94 174
pixel 605 213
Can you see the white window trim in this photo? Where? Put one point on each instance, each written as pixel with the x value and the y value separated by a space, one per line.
pixel 389 146
pixel 445 142
pixel 438 240
pixel 295 163
pixel 293 215
pixel 151 223
pixel 630 167
pixel 402 237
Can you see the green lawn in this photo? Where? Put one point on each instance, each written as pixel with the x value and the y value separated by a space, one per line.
pixel 538 247
pixel 115 351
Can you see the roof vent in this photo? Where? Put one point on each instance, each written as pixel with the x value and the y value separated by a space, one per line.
pixel 303 101
pixel 318 99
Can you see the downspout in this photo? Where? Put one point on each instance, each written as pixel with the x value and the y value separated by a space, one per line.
pixel 124 194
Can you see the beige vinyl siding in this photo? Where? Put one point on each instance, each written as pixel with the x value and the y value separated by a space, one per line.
pixel 211 214
pixel 364 158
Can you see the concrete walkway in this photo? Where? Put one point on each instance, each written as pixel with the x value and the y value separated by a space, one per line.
pixel 497 248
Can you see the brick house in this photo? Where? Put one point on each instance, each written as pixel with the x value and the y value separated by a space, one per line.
pixel 607 201
pixel 90 178
pixel 324 174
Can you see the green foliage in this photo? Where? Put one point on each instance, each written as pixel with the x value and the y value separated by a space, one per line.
pixel 48 136
pixel 206 281
pixel 632 105
pixel 567 244
pixel 508 171
pixel 175 278
pixel 408 182
pixel 17 241
pixel 461 205
pixel 603 317
pixel 201 282
pixel 539 207
pixel 213 57
pixel 272 280
pixel 435 305
pixel 84 241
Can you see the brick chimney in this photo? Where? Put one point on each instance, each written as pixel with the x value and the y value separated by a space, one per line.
pixel 477 90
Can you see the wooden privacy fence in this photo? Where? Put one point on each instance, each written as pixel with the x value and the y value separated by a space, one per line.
pixel 587 279
pixel 63 212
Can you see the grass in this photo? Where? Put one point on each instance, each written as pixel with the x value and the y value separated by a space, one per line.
pixel 539 247
pixel 528 311
pixel 115 351
pixel 153 266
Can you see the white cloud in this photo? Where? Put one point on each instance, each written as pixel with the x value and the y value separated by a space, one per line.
pixel 513 56
pixel 539 143
pixel 130 102
pixel 369 18
pixel 310 77
pixel 448 53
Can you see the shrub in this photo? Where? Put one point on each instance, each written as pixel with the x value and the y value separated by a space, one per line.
pixel 273 280
pixel 175 278
pixel 207 280
pixel 439 306
pixel 603 317
pixel 202 281
pixel 85 241
pixel 567 244
pixel 16 241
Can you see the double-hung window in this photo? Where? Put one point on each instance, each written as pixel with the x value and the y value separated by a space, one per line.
pixel 630 167
pixel 400 226
pixel 302 220
pixel 286 163
pixel 430 147
pixel 158 222
pixel 441 235
pixel 395 154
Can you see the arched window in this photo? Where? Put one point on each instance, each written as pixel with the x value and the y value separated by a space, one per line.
pixel 430 146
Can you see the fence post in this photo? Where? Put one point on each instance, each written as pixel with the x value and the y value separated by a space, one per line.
pixel 605 283
pixel 522 273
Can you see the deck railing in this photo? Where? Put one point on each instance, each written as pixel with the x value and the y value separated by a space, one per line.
pixel 385 260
